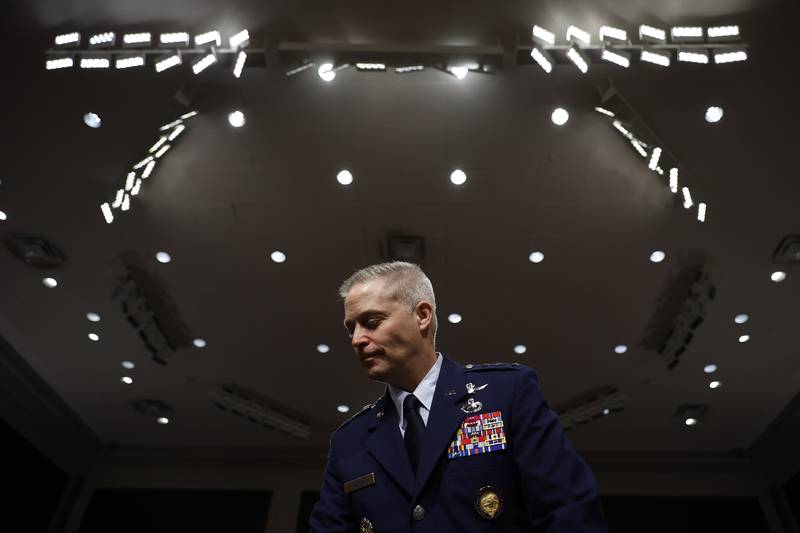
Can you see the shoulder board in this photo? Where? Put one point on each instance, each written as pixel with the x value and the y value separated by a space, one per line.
pixel 360 412
pixel 493 366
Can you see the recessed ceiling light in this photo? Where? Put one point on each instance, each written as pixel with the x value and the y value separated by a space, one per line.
pixel 536 257
pixel 199 343
pixel 278 256
pixel 691 421
pixel 94 337
pixel 127 380
pixel 343 408
pixel 92 120
pixel 323 348
pixel 741 319
pixel 454 318
pixel 620 348
pixel 710 369
pixel 326 72
pixel 49 282
pixel 458 177
pixel 778 276
pixel 744 338
pixel 714 384
pixel 3 216
pixel 560 116
pixel 344 177
pixel 714 114
pixel 657 256
pixel 520 349
pixel 128 365
pixel 163 420
pixel 93 317
pixel 236 119
pixel 459 72
pixel 163 257
pixel 606 411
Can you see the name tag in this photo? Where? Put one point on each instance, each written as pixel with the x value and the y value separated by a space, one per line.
pixel 359 483
pixel 481 433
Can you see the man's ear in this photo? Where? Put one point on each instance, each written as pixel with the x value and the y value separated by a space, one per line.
pixel 423 312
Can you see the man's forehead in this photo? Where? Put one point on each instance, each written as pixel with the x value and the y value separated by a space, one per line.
pixel 369 294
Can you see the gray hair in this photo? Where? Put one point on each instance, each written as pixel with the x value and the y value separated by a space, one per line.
pixel 405 283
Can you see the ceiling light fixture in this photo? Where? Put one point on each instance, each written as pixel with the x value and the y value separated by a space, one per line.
pixel 520 349
pixel 458 177
pixel 578 58
pixel 652 35
pixel 199 343
pixel 278 256
pixel 729 56
pixel 710 368
pixel 714 114
pixel 127 380
pixel 163 420
pixel 536 257
pixel 323 348
pixel 343 408
pixel 50 283
pixel 203 62
pixel 92 120
pixel 168 61
pixel 620 349
pixel 656 57
pixel 345 177
pixel 611 33
pixel 778 276
pixel 454 318
pixel 687 56
pixel 236 119
pixel 94 337
pixel 714 384
pixel 577 35
pixel 686 34
pixel 701 211
pixel 744 338
pixel 459 71
pixel 92 317
pixel 240 40
pixel 208 37
pixel 657 256
pixel 543 36
pixel 238 66
pixel 559 116
pixel 544 59
pixel 163 257
pixel 741 318
pixel 128 365
pixel 618 57
pixel 137 40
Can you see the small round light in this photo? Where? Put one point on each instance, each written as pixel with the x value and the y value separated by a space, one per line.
pixel 50 282
pixel 92 120
pixel 459 72
pixel 163 420
pixel 778 276
pixel 744 338
pixel 344 177
pixel 536 257
pixel 714 384
pixel 127 380
pixel 691 421
pixel 520 349
pixel 278 256
pixel 326 72
pixel 741 319
pixel 3 216
pixel 454 318
pixel 199 343
pixel 458 177
pixel 606 411
pixel 714 114
pixel 657 256
pixel 343 408
pixel 620 348
pixel 163 257
pixel 323 348
pixel 128 365
pixel 560 116
pixel 94 337
pixel 710 369
pixel 236 119
pixel 93 317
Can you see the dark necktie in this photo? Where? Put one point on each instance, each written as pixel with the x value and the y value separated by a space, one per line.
pixel 415 429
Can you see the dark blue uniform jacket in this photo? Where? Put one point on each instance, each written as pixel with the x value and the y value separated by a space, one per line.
pixel 543 484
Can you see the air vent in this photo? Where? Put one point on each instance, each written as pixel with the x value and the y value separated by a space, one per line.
pixel 410 248
pixel 788 250
pixel 35 251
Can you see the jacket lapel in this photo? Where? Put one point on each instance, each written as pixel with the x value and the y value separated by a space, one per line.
pixel 385 444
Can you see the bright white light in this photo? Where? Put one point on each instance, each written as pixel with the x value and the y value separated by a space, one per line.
pixel 148 170
pixel 137 38
pixel 606 411
pixel 92 317
pixel 174 38
pixel 741 318
pixel 162 151
pixel 188 115
pixel 163 420
pixel 240 39
pixel 717 32
pixel 459 72
pixel 714 114
pixel 241 57
pixel 520 349
pixel 129 62
pixel 691 421
pixel 167 62
pixel 744 338
pixel 118 199
pixel 657 256
pixel 457 177
pixel 128 365
pixel 710 369
pixel 654 157
pixel 371 66
pixel 649 33
pixel 127 380
pixel 68 38
pixel 199 343
pixel 92 120
pixel 687 198
pixel 544 36
pixel 536 257
pixel 177 131
pixel 344 177
pixel 604 111
pixel 701 212
pixel 409 68
pixel 618 125
pixel 55 64
pixel 278 256
pixel 673 180
pixel 207 38
pixel 454 318
pixel 609 32
pixel 204 63
pixel 559 116
pixel 714 384
pixel 95 62
pixel 326 72
pixel 3 216
pixel 693 57
pixel 94 337
pixel 129 180
pixel 621 349
pixel 574 33
pixel 778 276
pixel 136 187
pixel 101 38
pixel 729 57
pixel 159 143
pixel 543 59
pixel 639 147
pixel 686 32
pixel 323 348
pixel 126 203
pixel 657 58
pixel 236 119
pixel 50 283
pixel 575 56
pixel 163 257
pixel 343 408
pixel 143 162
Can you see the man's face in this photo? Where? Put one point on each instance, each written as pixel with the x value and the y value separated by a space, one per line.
pixel 385 333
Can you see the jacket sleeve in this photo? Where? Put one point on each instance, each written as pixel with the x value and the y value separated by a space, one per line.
pixel 333 512
pixel 558 487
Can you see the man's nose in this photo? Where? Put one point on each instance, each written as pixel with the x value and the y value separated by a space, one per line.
pixel 359 339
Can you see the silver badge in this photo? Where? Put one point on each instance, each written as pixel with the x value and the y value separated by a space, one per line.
pixel 472 406
pixel 471 388
pixel 366 526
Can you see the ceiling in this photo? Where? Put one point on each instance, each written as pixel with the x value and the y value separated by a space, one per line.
pixel 225 198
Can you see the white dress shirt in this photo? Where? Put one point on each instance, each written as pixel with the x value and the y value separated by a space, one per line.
pixel 423 392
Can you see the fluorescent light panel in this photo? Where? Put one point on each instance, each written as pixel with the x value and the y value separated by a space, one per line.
pixel 612 33
pixel 241 39
pixel 59 63
pixel 687 198
pixel 174 39
pixel 543 36
pixel 208 37
pixel 580 59
pixel 651 34
pixel 723 33
pixel 136 39
pixel 623 59
pixel 68 39
pixel 167 61
pixel 673 180
pixel 686 56
pixel 701 212
pixel 409 68
pixel 656 57
pixel 604 111
pixel 654 157
pixel 728 56
pixel 575 34
pixel 202 63
pixel 107 214
pixel 371 67
pixel 123 62
pixel 544 59
pixel 238 67
pixel 686 34
pixel 103 40
pixel 95 62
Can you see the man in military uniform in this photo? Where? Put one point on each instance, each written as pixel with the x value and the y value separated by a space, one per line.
pixel 448 448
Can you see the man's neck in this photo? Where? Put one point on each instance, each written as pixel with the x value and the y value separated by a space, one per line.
pixel 422 365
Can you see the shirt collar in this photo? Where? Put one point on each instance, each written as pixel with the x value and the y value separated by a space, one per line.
pixel 423 392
